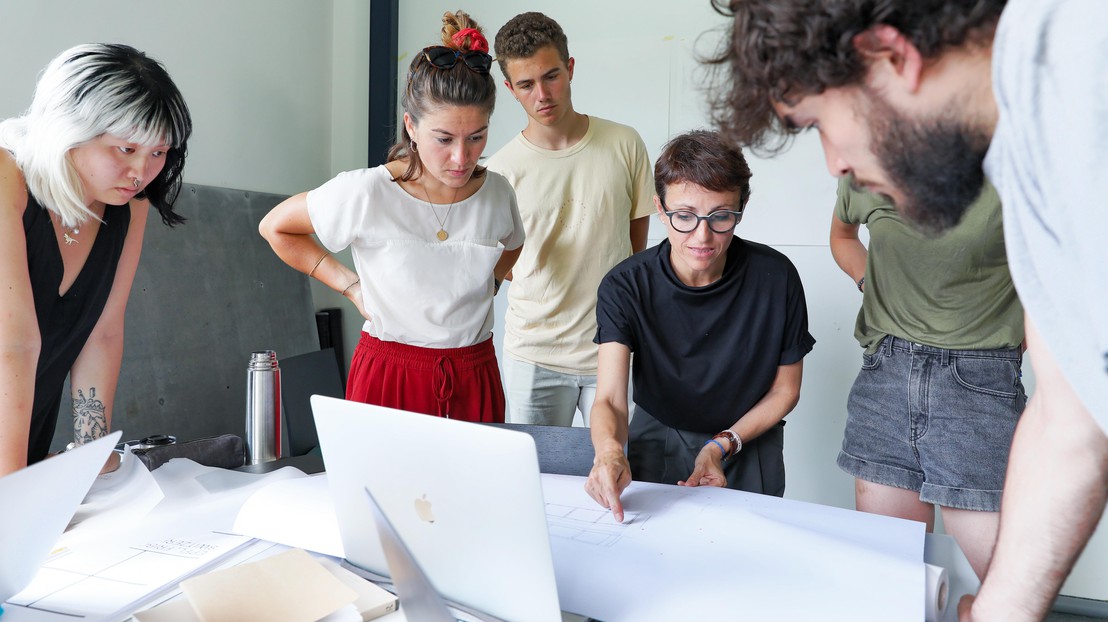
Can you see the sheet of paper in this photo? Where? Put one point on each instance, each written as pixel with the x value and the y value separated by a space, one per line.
pixel 118 500
pixel 178 610
pixel 187 532
pixel 781 559
pixel 289 587
pixel 108 579
pixel 298 513
pixel 170 609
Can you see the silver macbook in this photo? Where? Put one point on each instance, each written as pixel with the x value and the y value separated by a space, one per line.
pixel 419 599
pixel 465 498
pixel 39 502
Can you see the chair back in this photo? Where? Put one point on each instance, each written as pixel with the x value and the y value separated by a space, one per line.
pixel 302 376
pixel 562 450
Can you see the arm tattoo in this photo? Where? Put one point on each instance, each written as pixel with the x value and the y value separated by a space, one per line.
pixel 89 419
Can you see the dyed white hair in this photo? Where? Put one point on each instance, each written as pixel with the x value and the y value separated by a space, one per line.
pixel 85 92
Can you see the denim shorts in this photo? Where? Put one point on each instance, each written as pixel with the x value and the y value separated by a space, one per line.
pixel 936 421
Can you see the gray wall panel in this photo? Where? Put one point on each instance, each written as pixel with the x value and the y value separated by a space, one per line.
pixel 207 294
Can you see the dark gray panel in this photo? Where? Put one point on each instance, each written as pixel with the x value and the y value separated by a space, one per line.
pixel 207 294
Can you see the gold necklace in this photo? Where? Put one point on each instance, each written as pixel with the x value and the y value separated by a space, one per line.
pixel 442 235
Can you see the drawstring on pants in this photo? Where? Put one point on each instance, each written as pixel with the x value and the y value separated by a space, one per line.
pixel 443 380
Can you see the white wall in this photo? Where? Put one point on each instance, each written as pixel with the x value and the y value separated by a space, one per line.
pixel 636 64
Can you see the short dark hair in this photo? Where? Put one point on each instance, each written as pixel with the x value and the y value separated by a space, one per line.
pixel 703 158
pixel 784 50
pixel 524 35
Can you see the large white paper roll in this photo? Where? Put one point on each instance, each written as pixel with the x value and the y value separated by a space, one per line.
pixel 936 594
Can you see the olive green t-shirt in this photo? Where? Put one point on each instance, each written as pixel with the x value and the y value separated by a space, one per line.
pixel 952 291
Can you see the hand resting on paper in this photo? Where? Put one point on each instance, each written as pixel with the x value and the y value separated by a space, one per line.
pixel 610 475
pixel 707 470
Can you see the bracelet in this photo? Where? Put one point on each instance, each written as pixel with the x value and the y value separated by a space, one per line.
pixel 496 286
pixel 722 451
pixel 347 288
pixel 733 438
pixel 861 282
pixel 312 271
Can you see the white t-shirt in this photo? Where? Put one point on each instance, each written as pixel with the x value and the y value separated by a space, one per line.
pixel 416 289
pixel 577 206
pixel 1049 162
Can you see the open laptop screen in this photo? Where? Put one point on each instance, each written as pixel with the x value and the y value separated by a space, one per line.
pixel 466 499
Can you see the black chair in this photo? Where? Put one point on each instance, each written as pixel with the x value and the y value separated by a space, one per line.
pixel 562 450
pixel 302 376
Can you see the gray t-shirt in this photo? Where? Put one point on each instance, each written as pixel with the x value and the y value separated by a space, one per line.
pixel 1049 162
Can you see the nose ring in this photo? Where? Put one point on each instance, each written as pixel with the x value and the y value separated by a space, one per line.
pixel 136 181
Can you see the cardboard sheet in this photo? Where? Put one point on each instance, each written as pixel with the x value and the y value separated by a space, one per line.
pixel 288 587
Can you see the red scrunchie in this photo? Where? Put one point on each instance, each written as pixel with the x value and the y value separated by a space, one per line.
pixel 478 42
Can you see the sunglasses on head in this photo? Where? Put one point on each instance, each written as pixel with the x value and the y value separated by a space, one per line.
pixel 442 57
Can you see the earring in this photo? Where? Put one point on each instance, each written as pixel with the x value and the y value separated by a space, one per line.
pixel 411 146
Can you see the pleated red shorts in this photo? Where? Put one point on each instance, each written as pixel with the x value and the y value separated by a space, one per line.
pixel 459 383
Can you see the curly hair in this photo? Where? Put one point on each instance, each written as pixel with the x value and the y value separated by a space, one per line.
pixel 784 50
pixel 524 35
pixel 704 159
pixel 430 87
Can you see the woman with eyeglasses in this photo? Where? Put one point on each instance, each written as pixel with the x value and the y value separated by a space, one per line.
pixel 103 141
pixel 431 234
pixel 718 327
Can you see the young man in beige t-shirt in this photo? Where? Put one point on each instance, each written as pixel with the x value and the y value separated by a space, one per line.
pixel 585 192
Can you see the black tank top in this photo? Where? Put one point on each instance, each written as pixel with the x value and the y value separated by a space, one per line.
pixel 65 322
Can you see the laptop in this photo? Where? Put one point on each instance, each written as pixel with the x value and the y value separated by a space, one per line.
pixel 420 599
pixel 39 502
pixel 466 499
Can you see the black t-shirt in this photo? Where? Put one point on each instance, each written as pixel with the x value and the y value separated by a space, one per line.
pixel 705 355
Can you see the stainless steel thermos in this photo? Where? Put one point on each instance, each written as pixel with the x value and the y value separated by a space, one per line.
pixel 263 407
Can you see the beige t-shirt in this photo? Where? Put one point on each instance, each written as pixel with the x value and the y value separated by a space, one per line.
pixel 576 205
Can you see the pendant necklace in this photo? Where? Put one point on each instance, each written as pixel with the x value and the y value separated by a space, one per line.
pixel 442 235
pixel 69 239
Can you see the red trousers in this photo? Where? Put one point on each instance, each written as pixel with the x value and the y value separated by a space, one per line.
pixel 459 383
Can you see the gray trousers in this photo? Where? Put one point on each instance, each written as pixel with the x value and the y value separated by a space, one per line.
pixel 661 454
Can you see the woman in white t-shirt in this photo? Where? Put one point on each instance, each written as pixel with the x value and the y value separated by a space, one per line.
pixel 431 234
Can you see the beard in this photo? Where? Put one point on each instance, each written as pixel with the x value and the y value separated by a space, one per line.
pixel 936 164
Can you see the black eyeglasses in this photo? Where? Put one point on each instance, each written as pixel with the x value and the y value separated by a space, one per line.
pixel 719 221
pixel 442 57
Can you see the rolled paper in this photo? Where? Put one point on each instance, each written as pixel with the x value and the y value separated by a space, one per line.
pixel 936 594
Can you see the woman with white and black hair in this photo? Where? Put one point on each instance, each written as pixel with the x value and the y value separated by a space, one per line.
pixel 104 139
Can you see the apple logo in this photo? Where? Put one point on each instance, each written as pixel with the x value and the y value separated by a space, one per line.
pixel 423 509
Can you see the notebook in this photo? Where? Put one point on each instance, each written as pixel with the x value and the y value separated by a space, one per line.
pixel 39 501
pixel 465 498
